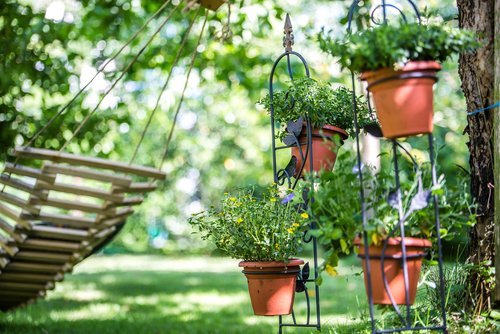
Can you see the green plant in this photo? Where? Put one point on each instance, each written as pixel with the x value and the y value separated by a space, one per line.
pixel 323 104
pixel 254 229
pixel 339 221
pixel 389 45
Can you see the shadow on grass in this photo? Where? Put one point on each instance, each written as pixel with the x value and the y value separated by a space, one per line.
pixel 163 301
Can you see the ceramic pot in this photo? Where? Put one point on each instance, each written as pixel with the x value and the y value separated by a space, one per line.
pixel 271 285
pixel 404 98
pixel 393 268
pixel 323 147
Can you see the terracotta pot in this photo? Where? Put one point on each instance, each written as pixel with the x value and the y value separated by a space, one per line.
pixel 393 268
pixel 323 147
pixel 271 285
pixel 404 106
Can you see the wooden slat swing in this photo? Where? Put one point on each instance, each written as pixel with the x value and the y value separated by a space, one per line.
pixel 54 216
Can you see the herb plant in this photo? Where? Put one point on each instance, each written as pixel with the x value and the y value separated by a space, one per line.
pixel 323 104
pixel 338 212
pixel 254 229
pixel 390 45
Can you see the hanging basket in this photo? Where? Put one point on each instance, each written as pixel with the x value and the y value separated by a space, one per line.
pixel 323 146
pixel 271 285
pixel 404 98
pixel 393 268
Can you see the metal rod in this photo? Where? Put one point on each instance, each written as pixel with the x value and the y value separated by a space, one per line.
pixel 287 43
pixel 438 231
pixel 296 325
pixel 402 229
pixel 397 330
pixel 363 205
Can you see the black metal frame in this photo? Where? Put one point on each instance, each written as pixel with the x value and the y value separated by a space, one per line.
pixel 404 257
pixel 282 175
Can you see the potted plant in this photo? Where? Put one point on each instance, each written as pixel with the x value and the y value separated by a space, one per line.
pixel 264 232
pixel 329 111
pixel 340 226
pixel 399 63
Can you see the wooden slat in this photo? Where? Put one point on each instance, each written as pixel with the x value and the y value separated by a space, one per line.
pixel 118 180
pixel 21 185
pixel 69 205
pixel 24 286
pixel 27 278
pixel 17 293
pixel 111 222
pixel 19 202
pixel 28 171
pixel 53 245
pixel 3 262
pixel 136 187
pixel 129 201
pixel 59 233
pixel 11 250
pixel 73 159
pixel 122 212
pixel 45 257
pixel 11 300
pixel 35 267
pixel 11 230
pixel 80 190
pixel 17 217
pixel 63 220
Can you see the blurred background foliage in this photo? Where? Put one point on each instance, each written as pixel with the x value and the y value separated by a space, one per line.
pixel 51 48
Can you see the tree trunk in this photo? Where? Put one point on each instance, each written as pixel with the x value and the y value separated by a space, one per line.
pixel 477 74
pixel 496 152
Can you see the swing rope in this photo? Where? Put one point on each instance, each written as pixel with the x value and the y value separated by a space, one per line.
pixel 130 64
pixel 174 63
pixel 100 70
pixel 181 100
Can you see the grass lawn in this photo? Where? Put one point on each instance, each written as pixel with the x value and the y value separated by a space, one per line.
pixel 156 294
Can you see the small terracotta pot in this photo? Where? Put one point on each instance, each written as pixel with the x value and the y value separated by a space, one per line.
pixel 404 106
pixel 211 4
pixel 271 285
pixel 393 268
pixel 323 147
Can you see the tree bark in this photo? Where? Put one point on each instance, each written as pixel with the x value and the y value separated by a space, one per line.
pixel 496 152
pixel 477 74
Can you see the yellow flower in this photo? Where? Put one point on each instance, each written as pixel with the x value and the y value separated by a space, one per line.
pixel 239 220
pixel 331 270
pixel 304 215
pixel 232 199
pixel 296 225
pixel 290 230
pixel 273 199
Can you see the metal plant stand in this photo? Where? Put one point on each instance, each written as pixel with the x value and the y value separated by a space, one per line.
pixel 405 319
pixel 285 175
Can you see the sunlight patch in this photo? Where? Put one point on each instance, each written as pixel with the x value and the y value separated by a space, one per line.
pixel 87 295
pixel 94 311
pixel 209 302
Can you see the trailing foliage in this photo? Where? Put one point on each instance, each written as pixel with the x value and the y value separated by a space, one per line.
pixel 339 222
pixel 391 45
pixel 254 229
pixel 323 104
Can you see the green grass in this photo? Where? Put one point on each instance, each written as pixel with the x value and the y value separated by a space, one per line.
pixel 155 294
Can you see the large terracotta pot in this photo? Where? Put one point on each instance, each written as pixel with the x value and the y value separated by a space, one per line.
pixel 393 268
pixel 323 147
pixel 404 98
pixel 271 285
